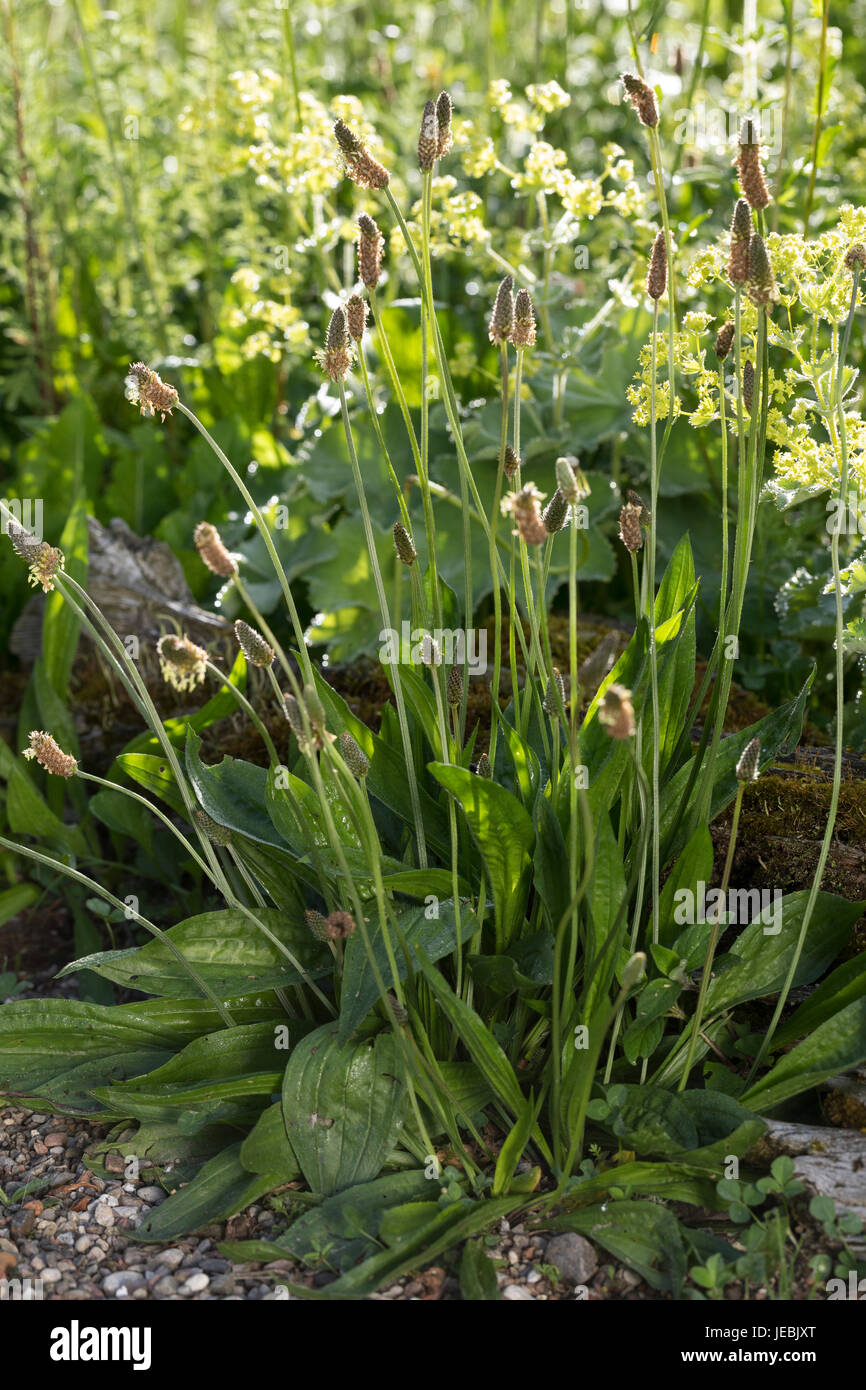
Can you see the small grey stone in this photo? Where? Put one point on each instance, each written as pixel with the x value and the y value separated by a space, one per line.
pixel 103 1215
pixel 151 1195
pixel 51 1276
pixel 533 1277
pixel 573 1256
pixel 122 1283
pixel 515 1292
pixel 172 1257
pixel 127 1213
pixel 165 1286
pixel 83 1243
pixel 196 1283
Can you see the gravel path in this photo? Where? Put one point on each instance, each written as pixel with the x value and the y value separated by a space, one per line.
pixel 64 1235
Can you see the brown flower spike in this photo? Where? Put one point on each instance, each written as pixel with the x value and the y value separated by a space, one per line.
pixel 762 284
pixel 523 332
pixel 340 925
pixel 749 386
pixel 657 275
pixel 444 109
pixel 741 235
pixel 360 165
pixel 856 257
pixel 630 529
pixel 511 462
pixel 616 712
pixel 555 514
pixel 749 167
pixel 335 358
pixel 502 318
pixel 724 340
pixel 642 98
pixel 428 139
pixel 454 685
pixel 49 755
pixel 371 244
pixel 356 317
pixel 208 543
pixel 149 392
pixel 524 508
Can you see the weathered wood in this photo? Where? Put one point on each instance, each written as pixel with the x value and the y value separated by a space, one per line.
pixel 831 1162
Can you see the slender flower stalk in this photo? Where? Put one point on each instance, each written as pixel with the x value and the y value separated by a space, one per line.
pixel 386 622
pixel 840 441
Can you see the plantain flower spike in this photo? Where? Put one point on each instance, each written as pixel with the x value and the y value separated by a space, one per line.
pixel 724 340
pixel 555 514
pixel 354 757
pixel 657 275
pixel 741 235
pixel 335 358
pixel 748 766
pixel 216 833
pixel 43 560
pixel 502 318
pixel 403 544
pixel 359 164
pixel 371 244
pixel 630 528
pixel 182 663
pixel 616 712
pixel 444 108
pixel 428 139
pixel 49 755
pixel 642 98
pixel 749 167
pixel 208 543
pixel 257 651
pixel 523 332
pixel 454 686
pixel 146 389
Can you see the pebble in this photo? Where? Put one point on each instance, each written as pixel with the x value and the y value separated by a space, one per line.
pixel 573 1256
pixel 196 1283
pixel 172 1257
pixel 152 1195
pixel 515 1292
pixel 122 1282
pixel 103 1215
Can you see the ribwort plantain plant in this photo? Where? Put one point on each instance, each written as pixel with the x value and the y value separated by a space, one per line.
pixel 444 953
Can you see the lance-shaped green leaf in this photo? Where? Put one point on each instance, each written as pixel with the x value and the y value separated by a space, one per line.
pixel 761 955
pixel 233 957
pixel 644 1235
pixel 506 837
pixel 232 792
pixel 221 1188
pixel 436 935
pixel 835 1046
pixel 482 1047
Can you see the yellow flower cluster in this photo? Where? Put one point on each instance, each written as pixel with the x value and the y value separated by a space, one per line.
pixel 276 326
